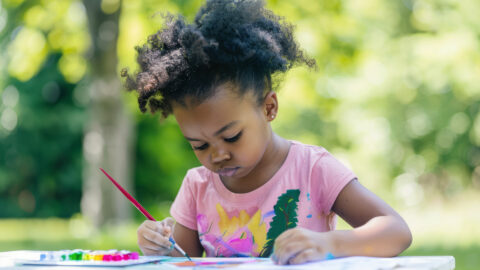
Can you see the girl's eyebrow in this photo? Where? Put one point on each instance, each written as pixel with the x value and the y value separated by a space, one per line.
pixel 227 126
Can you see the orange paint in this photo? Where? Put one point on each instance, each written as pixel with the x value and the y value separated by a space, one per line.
pixel 185 263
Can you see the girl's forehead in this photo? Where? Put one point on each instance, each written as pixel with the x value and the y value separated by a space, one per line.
pixel 224 100
pixel 220 109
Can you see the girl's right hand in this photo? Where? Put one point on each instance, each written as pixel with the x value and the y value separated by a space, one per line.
pixel 153 237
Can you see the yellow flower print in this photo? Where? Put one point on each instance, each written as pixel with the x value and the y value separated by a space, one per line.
pixel 230 226
pixel 258 230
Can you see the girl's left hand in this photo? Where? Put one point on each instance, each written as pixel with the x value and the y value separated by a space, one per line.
pixel 299 245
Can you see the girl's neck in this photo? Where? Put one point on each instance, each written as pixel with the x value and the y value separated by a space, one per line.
pixel 273 158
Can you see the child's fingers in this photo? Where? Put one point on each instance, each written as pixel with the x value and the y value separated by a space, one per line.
pixel 158 226
pixel 304 256
pixel 157 239
pixel 281 255
pixel 148 247
pixel 284 251
pixel 169 222
pixel 150 224
pixel 284 258
pixel 287 236
pixel 166 226
pixel 153 238
pixel 161 228
pixel 149 227
pixel 150 239
pixel 151 248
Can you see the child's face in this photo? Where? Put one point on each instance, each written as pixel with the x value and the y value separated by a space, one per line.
pixel 229 134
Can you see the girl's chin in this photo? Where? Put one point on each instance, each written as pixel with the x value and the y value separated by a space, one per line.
pixel 228 172
pixel 237 174
pixel 241 173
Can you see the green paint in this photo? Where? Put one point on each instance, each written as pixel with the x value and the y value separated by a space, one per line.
pixel 285 218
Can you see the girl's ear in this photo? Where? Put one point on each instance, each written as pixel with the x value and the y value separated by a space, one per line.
pixel 270 105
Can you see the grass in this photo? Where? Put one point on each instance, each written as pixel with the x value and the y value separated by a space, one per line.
pixel 466 258
pixel 56 234
pixel 439 228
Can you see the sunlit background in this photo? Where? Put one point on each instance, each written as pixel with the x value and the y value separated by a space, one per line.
pixel 395 96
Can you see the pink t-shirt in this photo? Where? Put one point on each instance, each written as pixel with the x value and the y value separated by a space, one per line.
pixel 301 193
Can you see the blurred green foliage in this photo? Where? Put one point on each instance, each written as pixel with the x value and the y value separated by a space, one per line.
pixel 42 114
pixel 44 96
pixel 41 155
pixel 162 159
pixel 395 96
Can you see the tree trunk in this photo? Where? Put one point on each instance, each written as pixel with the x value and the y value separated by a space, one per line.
pixel 109 133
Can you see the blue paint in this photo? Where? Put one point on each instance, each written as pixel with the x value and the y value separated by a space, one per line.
pixel 308 196
pixel 309 216
pixel 241 255
pixel 329 256
pixel 268 214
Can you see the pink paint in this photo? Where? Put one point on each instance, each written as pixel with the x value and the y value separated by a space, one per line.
pixel 107 258
pixel 134 256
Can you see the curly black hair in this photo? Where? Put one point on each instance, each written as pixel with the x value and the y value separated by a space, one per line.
pixel 237 41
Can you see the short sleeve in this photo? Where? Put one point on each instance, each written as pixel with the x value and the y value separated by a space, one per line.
pixel 329 177
pixel 183 208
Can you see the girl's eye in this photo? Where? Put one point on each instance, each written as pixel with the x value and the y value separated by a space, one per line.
pixel 201 147
pixel 234 138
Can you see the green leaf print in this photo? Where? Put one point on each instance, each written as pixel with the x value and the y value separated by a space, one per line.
pixel 285 218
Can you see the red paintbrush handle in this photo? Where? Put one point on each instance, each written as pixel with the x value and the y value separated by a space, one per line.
pixel 138 205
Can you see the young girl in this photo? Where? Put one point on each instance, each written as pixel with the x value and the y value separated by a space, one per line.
pixel 257 194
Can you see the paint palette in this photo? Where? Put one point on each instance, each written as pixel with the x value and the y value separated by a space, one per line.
pixel 80 257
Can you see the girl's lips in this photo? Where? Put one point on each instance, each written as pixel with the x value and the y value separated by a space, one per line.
pixel 228 171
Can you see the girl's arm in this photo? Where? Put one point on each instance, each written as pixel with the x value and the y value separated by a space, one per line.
pixel 188 240
pixel 378 231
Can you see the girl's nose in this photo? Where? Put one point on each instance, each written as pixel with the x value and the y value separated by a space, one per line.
pixel 220 155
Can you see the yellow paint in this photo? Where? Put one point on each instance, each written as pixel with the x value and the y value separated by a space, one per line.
pixel 258 230
pixel 228 226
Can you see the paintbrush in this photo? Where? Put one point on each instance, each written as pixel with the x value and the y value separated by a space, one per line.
pixel 144 212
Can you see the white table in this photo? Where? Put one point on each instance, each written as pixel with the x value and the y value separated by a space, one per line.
pixel 7 261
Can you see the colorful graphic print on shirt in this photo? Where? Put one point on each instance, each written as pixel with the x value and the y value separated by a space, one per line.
pixel 242 234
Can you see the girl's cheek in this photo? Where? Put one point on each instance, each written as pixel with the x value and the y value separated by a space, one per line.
pixel 204 159
pixel 201 157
